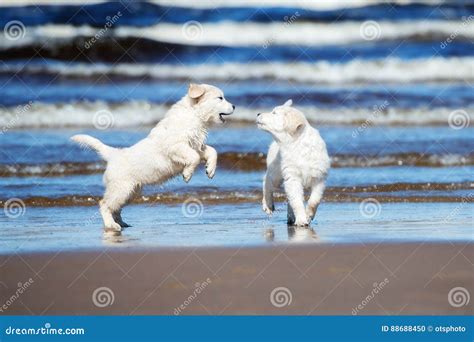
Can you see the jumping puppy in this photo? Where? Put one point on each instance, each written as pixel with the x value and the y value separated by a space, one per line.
pixel 175 145
pixel 297 158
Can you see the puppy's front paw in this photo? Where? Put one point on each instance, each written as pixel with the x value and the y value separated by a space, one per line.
pixel 187 176
pixel 268 209
pixel 210 170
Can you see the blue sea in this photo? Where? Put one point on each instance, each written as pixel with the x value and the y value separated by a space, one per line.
pixel 389 85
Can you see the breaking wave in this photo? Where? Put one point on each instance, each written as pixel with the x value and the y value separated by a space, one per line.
pixel 233 34
pixel 390 70
pixel 143 113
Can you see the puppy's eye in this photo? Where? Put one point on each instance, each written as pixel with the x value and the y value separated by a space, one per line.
pixel 220 98
pixel 274 113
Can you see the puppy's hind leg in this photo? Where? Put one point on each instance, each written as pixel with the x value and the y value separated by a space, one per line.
pixel 118 218
pixel 290 215
pixel 294 191
pixel 314 199
pixel 115 197
pixel 118 214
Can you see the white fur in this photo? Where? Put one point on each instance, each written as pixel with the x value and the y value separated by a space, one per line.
pixel 175 145
pixel 297 158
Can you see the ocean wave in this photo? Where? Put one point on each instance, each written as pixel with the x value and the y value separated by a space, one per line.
pixel 382 193
pixel 141 13
pixel 389 70
pixel 319 5
pixel 237 161
pixel 243 34
pixel 142 113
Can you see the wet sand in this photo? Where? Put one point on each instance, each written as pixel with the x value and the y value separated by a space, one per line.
pixel 364 279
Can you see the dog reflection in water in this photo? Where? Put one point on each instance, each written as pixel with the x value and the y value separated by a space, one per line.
pixel 295 234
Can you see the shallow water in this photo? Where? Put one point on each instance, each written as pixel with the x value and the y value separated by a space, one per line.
pixel 72 228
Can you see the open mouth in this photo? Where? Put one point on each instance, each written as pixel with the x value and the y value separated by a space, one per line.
pixel 221 116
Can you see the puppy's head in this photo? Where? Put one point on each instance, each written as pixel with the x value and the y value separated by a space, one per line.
pixel 209 102
pixel 285 123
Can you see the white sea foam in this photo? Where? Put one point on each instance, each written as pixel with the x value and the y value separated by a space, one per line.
pixel 140 113
pixel 390 70
pixel 243 34
pixel 316 5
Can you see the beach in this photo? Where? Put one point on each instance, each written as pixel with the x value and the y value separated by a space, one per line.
pixel 358 279
pixel 389 87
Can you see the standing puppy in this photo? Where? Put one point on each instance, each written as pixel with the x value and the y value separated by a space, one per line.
pixel 297 158
pixel 176 145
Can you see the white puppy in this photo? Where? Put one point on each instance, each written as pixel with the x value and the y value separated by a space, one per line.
pixel 175 145
pixel 297 158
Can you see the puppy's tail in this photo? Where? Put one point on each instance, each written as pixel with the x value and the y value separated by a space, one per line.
pixel 88 141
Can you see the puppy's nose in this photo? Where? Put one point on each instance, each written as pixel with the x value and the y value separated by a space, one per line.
pixel 259 114
pixel 233 107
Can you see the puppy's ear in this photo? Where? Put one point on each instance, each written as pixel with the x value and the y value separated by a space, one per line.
pixel 288 103
pixel 295 121
pixel 195 90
